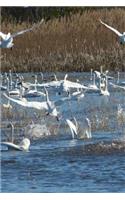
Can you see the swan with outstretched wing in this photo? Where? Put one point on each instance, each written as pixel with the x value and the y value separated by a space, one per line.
pixel 120 35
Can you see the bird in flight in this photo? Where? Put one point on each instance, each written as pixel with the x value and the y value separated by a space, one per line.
pixel 120 35
pixel 7 39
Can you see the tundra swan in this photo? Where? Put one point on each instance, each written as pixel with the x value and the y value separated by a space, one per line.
pixel 22 146
pixel 120 35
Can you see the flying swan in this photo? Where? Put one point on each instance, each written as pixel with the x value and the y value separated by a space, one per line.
pixel 120 35
pixel 7 39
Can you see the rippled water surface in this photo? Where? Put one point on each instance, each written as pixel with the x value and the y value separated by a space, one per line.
pixel 58 163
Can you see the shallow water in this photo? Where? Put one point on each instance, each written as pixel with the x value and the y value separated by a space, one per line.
pixel 58 163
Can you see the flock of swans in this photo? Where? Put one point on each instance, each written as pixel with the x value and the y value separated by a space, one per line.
pixel 19 91
pixel 65 91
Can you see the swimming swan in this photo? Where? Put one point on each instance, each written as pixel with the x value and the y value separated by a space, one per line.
pixel 22 146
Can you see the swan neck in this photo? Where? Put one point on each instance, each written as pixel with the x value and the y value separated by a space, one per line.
pixel 12 132
pixel 94 79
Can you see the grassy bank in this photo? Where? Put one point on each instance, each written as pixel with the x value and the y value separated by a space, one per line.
pixel 77 43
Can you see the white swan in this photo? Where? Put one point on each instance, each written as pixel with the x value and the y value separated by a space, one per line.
pixel 12 92
pixel 93 87
pixel 34 92
pixel 120 35
pixel 22 146
pixel 7 39
pixel 104 86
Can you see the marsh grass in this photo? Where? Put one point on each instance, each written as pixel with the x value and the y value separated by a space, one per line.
pixel 77 43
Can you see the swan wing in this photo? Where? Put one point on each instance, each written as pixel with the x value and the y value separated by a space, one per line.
pixel 22 103
pixel 117 86
pixel 3 35
pixel 52 84
pixel 70 84
pixel 22 32
pixel 111 28
pixel 38 105
pixel 48 84
pixel 30 104
pixel 27 30
pixel 11 146
pixel 72 127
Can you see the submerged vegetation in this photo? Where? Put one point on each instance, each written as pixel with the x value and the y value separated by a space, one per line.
pixel 64 42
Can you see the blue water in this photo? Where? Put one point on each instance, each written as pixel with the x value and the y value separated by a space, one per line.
pixel 60 164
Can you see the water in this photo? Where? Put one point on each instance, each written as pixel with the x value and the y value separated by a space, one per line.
pixel 62 166
pixel 59 164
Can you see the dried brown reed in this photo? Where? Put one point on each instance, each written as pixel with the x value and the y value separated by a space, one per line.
pixel 77 43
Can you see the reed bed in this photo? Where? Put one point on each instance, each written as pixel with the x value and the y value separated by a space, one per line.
pixel 77 43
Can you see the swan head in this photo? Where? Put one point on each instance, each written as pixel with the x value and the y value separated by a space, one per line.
pixel 25 144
